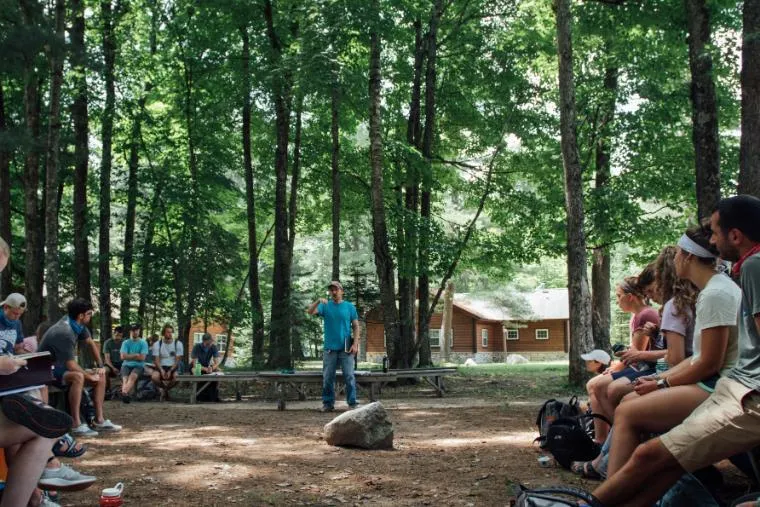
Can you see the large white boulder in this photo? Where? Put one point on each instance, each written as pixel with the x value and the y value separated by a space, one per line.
pixel 516 359
pixel 470 362
pixel 367 427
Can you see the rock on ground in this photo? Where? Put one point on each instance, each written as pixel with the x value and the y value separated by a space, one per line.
pixel 516 359
pixel 470 362
pixel 367 427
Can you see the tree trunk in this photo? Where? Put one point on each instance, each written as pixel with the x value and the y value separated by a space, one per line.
pixel 32 224
pixel 80 119
pixel 104 237
pixel 580 299
pixel 334 133
pixel 447 323
pixel 294 177
pixel 383 259
pixel 52 268
pixel 600 270
pixel 257 309
pixel 408 240
pixel 279 338
pixel 704 109
pixel 129 228
pixel 146 260
pixel 749 153
pixel 423 322
pixel 5 198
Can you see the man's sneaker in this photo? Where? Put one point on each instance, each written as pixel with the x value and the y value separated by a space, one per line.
pixel 65 479
pixel 125 398
pixel 353 406
pixel 39 417
pixel 47 501
pixel 326 408
pixel 84 431
pixel 107 425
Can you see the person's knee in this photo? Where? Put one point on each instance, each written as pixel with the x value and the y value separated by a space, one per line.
pixel 616 391
pixel 599 389
pixel 74 378
pixel 651 455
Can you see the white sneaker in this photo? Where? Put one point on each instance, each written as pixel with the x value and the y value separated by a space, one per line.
pixel 84 431
pixel 107 425
pixel 65 478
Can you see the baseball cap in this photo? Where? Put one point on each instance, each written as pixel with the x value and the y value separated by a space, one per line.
pixel 597 355
pixel 336 284
pixel 136 325
pixel 15 300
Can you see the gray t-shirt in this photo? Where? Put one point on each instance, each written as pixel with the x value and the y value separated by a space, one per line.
pixel 61 340
pixel 747 368
pixel 683 325
pixel 718 306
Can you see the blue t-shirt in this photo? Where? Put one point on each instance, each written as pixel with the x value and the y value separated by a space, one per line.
pixel 204 354
pixel 131 346
pixel 10 334
pixel 338 319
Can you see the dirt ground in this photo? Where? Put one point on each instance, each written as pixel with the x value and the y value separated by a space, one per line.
pixel 461 450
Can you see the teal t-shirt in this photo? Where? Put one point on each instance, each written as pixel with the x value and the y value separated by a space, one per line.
pixel 338 319
pixel 130 346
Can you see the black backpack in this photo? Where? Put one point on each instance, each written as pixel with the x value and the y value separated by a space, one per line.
pixel 558 496
pixel 87 407
pixel 568 439
pixel 552 410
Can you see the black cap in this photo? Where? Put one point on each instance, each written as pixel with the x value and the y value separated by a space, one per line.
pixel 118 329
pixel 136 325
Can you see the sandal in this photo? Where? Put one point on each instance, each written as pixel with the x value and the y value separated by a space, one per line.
pixel 586 470
pixel 73 448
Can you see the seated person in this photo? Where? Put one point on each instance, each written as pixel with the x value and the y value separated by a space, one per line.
pixel 133 352
pixel 60 340
pixel 606 391
pixel 11 334
pixel 207 355
pixel 112 356
pixel 597 361
pixel 672 395
pixel 167 354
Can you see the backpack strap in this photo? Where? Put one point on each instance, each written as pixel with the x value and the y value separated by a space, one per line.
pixel 595 416
pixel 542 410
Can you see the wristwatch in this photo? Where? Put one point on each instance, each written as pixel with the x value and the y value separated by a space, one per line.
pixel 662 383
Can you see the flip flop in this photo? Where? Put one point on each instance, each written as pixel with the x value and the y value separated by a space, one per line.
pixel 71 447
pixel 586 470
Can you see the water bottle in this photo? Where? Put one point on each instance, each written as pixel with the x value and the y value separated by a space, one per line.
pixel 385 364
pixel 197 369
pixel 111 497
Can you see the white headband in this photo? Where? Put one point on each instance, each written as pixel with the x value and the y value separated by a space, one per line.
pixel 687 244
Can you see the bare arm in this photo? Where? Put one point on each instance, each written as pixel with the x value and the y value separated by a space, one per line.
pixel 356 332
pixel 312 309
pixel 709 362
pixel 676 348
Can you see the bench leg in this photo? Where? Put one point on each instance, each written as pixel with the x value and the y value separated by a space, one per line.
pixel 238 396
pixel 372 387
pixel 193 392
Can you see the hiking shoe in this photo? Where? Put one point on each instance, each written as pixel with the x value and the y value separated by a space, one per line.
pixel 107 425
pixel 125 398
pixel 65 478
pixel 84 431
pixel 355 405
pixel 326 408
pixel 39 417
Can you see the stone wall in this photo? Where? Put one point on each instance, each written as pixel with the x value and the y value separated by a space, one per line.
pixel 481 357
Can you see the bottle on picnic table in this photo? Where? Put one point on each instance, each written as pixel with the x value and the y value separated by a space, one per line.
pixel 197 369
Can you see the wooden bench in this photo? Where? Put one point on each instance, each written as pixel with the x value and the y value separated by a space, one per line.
pixel 297 380
pixel 433 376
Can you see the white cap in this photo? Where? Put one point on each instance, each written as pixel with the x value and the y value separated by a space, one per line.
pixel 14 300
pixel 597 355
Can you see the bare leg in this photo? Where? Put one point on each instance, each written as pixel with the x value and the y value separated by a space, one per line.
pixel 597 388
pixel 608 404
pixel 617 390
pixel 99 397
pixel 650 472
pixel 75 381
pixel 658 411
pixel 128 383
pixel 26 465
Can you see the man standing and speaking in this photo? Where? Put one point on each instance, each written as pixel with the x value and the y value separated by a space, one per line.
pixel 341 330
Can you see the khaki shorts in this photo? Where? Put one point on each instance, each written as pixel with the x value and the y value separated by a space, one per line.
pixel 726 423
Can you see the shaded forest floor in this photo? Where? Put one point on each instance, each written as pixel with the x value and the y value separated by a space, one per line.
pixel 464 449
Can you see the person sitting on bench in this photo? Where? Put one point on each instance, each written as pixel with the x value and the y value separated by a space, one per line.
pixel 207 355
pixel 167 354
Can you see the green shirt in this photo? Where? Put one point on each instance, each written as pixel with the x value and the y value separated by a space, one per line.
pixel 112 349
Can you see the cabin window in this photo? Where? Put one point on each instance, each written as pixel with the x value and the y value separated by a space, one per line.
pixel 435 337
pixel 221 342
pixel 512 334
pixel 197 337
pixel 484 337
pixel 542 334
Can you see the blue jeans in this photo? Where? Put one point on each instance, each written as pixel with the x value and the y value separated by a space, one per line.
pixel 329 367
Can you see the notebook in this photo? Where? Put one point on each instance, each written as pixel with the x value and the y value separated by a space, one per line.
pixel 37 372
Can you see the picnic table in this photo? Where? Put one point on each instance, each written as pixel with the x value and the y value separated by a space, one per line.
pixel 298 380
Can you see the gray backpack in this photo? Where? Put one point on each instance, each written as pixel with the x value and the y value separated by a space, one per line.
pixel 557 496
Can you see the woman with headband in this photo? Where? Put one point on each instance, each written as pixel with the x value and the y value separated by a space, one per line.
pixel 631 299
pixel 666 399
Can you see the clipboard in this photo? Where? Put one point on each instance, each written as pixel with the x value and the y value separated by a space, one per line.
pixel 37 372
